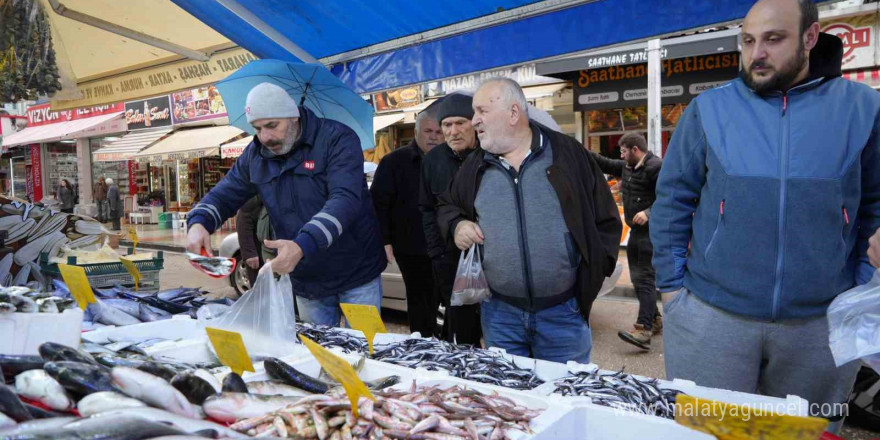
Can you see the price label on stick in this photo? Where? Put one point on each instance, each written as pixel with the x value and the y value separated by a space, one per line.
pixel 133 236
pixel 341 371
pixel 364 318
pixel 230 349
pixel 727 421
pixel 78 283
pixel 133 270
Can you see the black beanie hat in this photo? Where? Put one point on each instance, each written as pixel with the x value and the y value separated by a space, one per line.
pixel 456 104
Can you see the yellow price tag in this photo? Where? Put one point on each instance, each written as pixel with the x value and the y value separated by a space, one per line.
pixel 78 283
pixel 364 318
pixel 230 349
pixel 341 371
pixel 728 421
pixel 133 236
pixel 133 270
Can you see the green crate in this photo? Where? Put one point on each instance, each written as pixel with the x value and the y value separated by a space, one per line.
pixel 109 274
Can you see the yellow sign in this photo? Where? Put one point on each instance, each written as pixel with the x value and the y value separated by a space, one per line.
pixel 78 283
pixel 133 236
pixel 727 421
pixel 133 270
pixel 159 80
pixel 341 371
pixel 364 318
pixel 230 349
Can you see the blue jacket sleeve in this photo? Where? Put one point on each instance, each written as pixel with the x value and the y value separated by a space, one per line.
pixel 345 182
pixel 869 208
pixel 678 190
pixel 224 200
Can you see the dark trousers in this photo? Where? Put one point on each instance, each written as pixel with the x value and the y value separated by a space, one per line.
pixel 67 210
pixel 639 252
pixel 116 218
pixel 461 324
pixel 421 299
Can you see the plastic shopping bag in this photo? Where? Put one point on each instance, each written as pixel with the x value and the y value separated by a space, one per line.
pixel 854 324
pixel 264 316
pixel 470 286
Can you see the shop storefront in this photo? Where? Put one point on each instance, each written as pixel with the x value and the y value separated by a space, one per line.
pixel 859 29
pixel 56 146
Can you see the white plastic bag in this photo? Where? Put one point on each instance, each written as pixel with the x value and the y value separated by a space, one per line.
pixel 470 286
pixel 264 316
pixel 854 324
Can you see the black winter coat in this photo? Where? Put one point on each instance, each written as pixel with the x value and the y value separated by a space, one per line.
pixel 395 192
pixel 638 186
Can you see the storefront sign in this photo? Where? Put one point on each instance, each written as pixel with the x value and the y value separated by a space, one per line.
pixel 626 86
pixel 197 105
pixel 35 176
pixel 181 75
pixel 183 155
pixel 232 150
pixel 398 99
pixel 148 113
pixel 859 36
pixel 132 177
pixel 524 75
pixel 43 114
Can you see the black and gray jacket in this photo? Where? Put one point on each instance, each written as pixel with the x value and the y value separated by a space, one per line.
pixel 638 185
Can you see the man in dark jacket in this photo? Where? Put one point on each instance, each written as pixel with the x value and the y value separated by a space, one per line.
pixel 395 192
pixel 309 173
pixel 249 244
pixel 114 201
pixel 461 324
pixel 638 171
pixel 100 194
pixel 549 228
pixel 769 193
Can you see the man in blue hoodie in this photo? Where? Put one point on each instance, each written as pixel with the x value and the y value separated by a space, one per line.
pixel 309 173
pixel 768 195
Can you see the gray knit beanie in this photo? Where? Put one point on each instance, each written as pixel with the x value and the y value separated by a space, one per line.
pixel 269 101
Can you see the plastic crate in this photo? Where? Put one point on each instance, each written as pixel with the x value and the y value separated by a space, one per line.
pixel 109 274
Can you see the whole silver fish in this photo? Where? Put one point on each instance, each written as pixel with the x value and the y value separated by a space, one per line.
pixel 182 423
pixel 152 390
pixel 104 401
pixel 229 407
pixel 621 391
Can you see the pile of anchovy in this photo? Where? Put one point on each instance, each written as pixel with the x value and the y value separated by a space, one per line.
pixel 621 391
pixel 330 337
pixel 418 413
pixel 462 361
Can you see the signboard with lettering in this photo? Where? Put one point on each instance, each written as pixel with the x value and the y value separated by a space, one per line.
pixel 398 99
pixel 859 35
pixel 148 113
pixel 524 75
pixel 44 114
pixel 164 79
pixel 35 174
pixel 627 85
pixel 197 104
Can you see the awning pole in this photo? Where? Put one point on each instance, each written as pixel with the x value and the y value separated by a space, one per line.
pixel 654 95
pixel 64 11
pixel 261 26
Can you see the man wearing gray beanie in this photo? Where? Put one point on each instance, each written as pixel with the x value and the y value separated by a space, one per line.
pixel 461 323
pixel 309 172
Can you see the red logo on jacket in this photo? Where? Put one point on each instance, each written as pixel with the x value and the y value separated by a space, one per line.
pixel 309 165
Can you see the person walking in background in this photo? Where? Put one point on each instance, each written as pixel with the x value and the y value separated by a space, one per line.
pixel 115 203
pixel 461 324
pixel 395 192
pixel 66 196
pixel 100 194
pixel 638 171
pixel 540 209
pixel 768 195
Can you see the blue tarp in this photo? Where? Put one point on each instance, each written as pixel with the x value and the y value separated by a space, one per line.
pixel 329 27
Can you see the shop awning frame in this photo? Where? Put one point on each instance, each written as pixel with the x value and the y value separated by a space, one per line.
pixel 383 121
pixel 129 145
pixel 190 143
pixel 58 131
pixel 869 77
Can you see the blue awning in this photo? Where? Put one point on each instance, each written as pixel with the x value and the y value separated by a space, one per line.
pixel 325 28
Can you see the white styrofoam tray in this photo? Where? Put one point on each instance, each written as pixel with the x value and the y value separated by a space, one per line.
pixel 177 327
pixel 24 332
pixel 601 423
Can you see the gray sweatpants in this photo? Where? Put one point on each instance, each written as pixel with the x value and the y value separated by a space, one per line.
pixel 717 349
